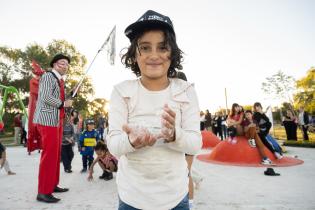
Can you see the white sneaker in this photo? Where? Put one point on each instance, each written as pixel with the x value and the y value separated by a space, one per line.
pixel 234 141
pixel 266 161
pixel 252 142
pixel 278 155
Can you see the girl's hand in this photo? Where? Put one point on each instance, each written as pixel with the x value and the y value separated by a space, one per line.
pixel 90 177
pixel 168 124
pixel 139 136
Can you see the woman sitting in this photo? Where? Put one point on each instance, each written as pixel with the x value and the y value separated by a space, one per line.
pixel 234 121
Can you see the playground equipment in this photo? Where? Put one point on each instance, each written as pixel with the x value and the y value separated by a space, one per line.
pixel 7 91
pixel 241 154
pixel 209 140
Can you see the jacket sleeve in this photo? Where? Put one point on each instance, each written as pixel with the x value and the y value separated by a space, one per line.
pixel 46 90
pixel 81 139
pixel 306 118
pixel 118 142
pixel 187 135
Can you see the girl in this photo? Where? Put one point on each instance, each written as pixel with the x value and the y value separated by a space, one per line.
pixel 152 171
pixel 105 160
pixel 234 121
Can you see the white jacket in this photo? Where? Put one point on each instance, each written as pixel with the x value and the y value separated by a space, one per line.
pixel 154 177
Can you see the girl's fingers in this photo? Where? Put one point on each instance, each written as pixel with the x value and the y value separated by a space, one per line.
pixel 169 111
pixel 168 124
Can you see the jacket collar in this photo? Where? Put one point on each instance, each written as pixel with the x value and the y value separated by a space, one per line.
pixel 129 89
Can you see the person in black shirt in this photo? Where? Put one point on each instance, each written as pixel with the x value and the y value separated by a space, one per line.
pixel 264 125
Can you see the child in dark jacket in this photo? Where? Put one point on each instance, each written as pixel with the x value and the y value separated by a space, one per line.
pixel 87 142
pixel 66 147
pixel 264 125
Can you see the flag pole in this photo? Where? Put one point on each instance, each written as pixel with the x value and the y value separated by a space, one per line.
pixel 226 106
pixel 88 69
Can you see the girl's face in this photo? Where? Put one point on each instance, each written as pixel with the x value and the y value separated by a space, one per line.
pixel 100 153
pixel 152 56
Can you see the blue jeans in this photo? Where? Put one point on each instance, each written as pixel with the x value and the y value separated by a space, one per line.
pixel 183 205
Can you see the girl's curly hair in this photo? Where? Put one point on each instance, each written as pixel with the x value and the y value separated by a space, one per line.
pixel 129 58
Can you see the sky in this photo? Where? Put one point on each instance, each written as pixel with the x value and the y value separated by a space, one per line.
pixel 228 44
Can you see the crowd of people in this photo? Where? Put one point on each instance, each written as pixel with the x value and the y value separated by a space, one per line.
pixel 291 121
pixel 253 124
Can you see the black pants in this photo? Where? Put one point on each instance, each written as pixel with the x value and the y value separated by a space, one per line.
pixel 202 126
pixel 67 156
pixel 23 136
pixel 304 129
pixel 87 159
pixel 290 129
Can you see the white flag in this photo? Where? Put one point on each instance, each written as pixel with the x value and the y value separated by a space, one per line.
pixel 269 115
pixel 110 45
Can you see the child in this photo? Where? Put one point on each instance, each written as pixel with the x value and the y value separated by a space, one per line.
pixel 67 143
pixel 153 173
pixel 234 121
pixel 106 161
pixel 263 124
pixel 3 160
pixel 250 130
pixel 87 142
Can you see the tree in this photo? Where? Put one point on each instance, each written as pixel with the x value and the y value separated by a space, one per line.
pixel 279 86
pixel 305 95
pixel 98 107
pixel 16 70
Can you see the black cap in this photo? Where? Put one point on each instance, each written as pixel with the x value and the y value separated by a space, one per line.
pixel 150 19
pixel 57 58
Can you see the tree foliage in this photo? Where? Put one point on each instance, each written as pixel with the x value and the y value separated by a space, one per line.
pixel 98 106
pixel 305 95
pixel 279 86
pixel 16 70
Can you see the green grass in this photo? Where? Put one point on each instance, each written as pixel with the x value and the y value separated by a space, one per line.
pixel 310 144
pixel 279 133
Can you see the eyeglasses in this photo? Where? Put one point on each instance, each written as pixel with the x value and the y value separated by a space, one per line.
pixel 63 63
pixel 146 49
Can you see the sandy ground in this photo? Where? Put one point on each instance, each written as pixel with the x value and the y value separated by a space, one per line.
pixel 223 187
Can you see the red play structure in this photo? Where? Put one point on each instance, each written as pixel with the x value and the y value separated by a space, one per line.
pixel 209 140
pixel 241 154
